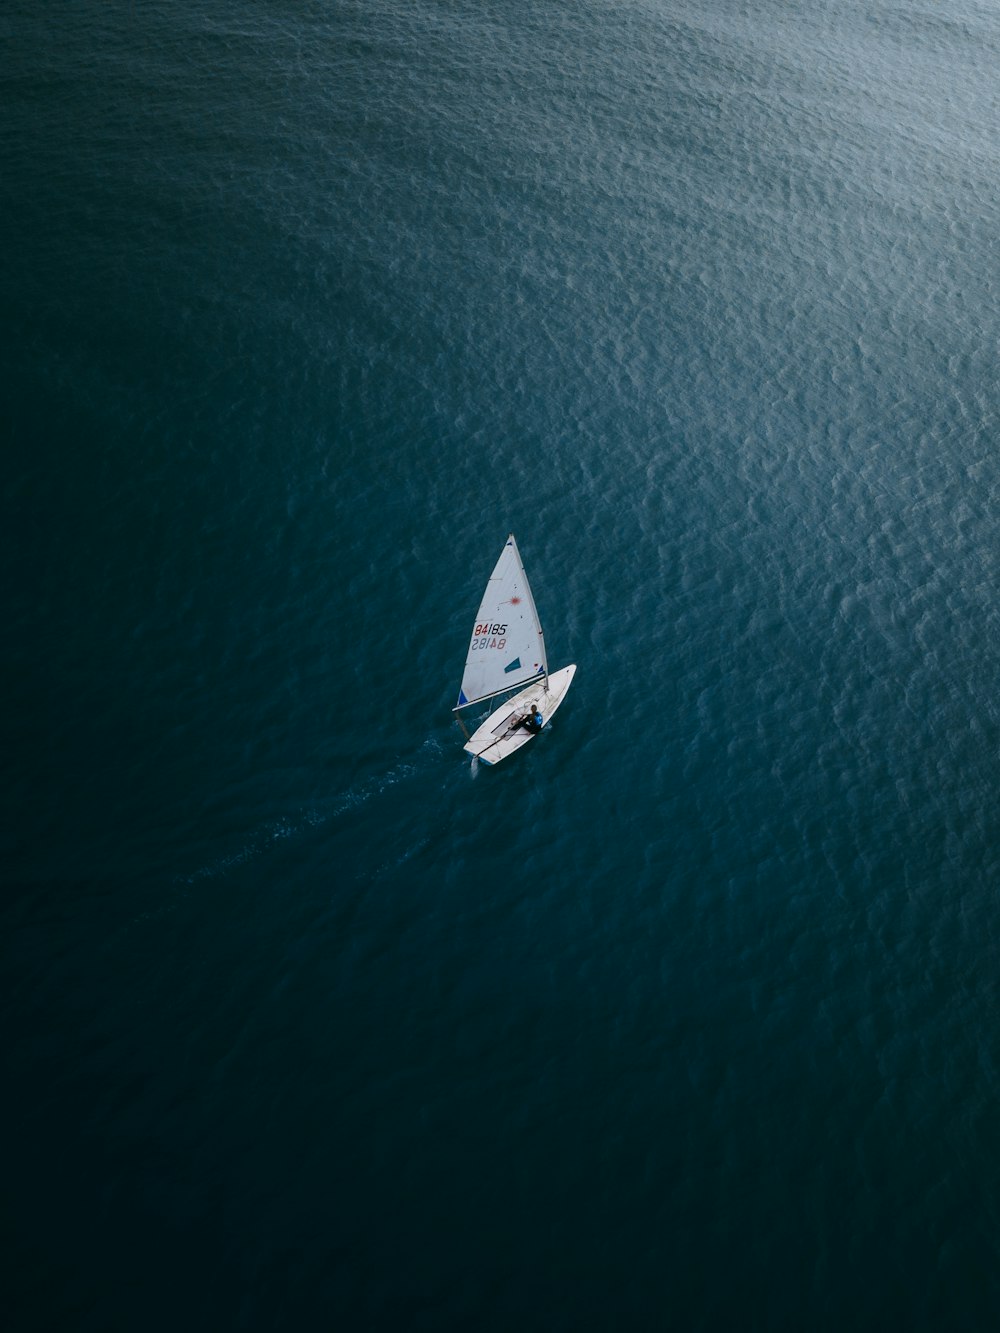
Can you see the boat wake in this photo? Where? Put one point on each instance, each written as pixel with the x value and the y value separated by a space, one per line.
pixel 271 833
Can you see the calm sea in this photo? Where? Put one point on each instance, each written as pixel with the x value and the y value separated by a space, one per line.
pixel 685 1018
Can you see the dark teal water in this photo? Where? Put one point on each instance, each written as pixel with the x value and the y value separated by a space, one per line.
pixel 686 1017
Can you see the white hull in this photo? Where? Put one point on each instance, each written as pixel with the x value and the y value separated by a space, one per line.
pixel 500 735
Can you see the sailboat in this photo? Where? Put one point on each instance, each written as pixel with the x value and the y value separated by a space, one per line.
pixel 507 652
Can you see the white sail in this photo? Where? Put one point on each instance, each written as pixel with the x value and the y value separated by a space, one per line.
pixel 507 648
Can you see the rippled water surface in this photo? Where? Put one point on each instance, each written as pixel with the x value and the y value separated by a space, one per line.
pixel 687 1016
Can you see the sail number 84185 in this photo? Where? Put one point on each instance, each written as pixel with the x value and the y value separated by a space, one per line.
pixel 489 636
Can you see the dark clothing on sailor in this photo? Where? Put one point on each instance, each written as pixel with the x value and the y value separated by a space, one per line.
pixel 533 722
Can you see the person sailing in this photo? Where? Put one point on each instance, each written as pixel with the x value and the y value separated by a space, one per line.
pixel 532 721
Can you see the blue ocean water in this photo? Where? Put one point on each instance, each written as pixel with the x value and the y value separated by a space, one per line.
pixel 685 1017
